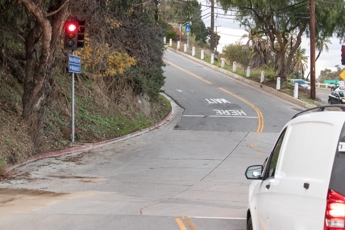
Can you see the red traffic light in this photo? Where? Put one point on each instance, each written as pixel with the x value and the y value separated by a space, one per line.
pixel 71 32
pixel 71 27
pixel 343 54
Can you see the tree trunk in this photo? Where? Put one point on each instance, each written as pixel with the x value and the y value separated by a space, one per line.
pixel 282 61
pixel 281 70
pixel 40 44
pixel 156 10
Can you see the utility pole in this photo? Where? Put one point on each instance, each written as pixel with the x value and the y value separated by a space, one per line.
pixel 312 49
pixel 212 26
pixel 156 10
pixel 164 9
pixel 216 36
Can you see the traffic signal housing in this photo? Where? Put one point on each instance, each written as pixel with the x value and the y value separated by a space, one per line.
pixel 71 35
pixel 343 54
pixel 81 33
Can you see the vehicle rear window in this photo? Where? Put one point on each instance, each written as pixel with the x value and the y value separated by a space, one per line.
pixel 337 182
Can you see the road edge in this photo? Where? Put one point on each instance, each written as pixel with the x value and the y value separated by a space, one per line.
pixel 90 146
pixel 239 78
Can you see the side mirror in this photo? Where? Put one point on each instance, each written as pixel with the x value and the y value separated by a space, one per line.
pixel 254 172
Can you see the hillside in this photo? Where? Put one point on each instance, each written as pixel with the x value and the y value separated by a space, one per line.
pixel 97 117
pixel 120 46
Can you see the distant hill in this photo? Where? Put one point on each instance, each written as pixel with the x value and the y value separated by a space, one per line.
pixel 328 74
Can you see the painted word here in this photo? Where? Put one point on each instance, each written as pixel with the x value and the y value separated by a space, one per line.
pixel 229 112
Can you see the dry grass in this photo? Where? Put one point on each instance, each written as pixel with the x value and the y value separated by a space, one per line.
pixel 97 117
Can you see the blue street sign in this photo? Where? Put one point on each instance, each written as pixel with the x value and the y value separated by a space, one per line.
pixel 74 64
pixel 187 28
pixel 74 68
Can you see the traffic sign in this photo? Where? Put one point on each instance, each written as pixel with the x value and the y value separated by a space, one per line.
pixel 74 64
pixel 187 28
pixel 342 74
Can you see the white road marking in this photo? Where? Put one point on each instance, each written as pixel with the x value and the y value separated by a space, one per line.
pixel 229 112
pixel 221 218
pixel 217 101
pixel 217 116
pixel 194 115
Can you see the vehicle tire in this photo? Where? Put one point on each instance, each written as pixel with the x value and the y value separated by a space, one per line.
pixel 249 224
pixel 329 102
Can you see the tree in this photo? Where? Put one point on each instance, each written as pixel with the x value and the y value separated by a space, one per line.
pixel 189 12
pixel 278 19
pixel 38 30
pixel 216 38
pixel 261 53
pixel 234 52
pixel 300 62
pixel 321 45
pixel 200 31
pixel 127 31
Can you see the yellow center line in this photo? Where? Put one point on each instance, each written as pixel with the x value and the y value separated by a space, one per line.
pixel 261 122
pixel 190 223
pixel 186 71
pixel 180 223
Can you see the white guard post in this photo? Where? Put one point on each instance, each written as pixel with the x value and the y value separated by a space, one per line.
pixel 262 79
pixel 223 62
pixel 295 92
pixel 278 83
pixel 248 72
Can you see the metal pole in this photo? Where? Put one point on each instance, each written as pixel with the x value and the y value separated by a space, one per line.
pixel 212 27
pixel 312 49
pixel 72 104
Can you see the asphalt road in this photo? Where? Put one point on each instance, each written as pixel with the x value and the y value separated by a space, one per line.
pixel 186 174
pixel 214 101
pixel 322 94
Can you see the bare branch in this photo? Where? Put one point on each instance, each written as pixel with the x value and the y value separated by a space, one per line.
pixel 56 11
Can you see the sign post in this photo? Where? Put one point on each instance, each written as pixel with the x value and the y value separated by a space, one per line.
pixel 188 32
pixel 74 66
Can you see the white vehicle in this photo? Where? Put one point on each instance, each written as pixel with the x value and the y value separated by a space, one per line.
pixel 301 185
pixel 302 83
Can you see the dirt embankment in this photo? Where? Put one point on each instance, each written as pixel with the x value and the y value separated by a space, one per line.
pixel 98 116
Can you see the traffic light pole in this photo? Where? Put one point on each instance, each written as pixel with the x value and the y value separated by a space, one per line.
pixel 73 39
pixel 72 109
pixel 312 49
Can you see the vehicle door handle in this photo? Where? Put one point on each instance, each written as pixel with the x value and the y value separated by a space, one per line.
pixel 268 186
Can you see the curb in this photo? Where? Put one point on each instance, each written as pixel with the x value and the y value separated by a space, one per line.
pixel 247 81
pixel 87 147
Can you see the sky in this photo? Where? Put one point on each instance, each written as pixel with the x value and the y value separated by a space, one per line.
pixel 230 32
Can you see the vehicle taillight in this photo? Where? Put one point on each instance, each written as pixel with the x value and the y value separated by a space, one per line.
pixel 335 211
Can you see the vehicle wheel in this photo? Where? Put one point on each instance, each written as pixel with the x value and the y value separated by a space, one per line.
pixel 329 102
pixel 249 224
